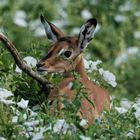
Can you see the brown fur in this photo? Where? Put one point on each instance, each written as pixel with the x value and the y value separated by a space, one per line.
pixel 54 63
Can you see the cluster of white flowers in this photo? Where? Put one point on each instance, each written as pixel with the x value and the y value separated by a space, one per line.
pixel 125 105
pixel 106 75
pixel 91 65
pixel 32 127
pixel 31 61
pixel 60 127
pixel 6 97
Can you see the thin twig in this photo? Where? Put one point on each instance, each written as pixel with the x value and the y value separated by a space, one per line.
pixel 22 65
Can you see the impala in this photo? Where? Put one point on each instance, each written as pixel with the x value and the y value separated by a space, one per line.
pixel 65 55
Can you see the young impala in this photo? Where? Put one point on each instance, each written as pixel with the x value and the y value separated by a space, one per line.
pixel 65 55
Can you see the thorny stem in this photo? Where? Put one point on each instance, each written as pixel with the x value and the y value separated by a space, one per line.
pixel 23 66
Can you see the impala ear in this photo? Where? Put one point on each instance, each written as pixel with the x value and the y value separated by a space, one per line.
pixel 52 32
pixel 86 33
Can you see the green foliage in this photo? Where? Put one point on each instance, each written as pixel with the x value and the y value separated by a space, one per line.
pixel 113 38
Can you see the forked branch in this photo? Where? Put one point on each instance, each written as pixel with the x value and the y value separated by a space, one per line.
pixel 22 65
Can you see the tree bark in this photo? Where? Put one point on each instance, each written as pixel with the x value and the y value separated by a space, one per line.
pixel 23 66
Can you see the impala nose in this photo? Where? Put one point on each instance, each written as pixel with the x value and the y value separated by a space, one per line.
pixel 39 65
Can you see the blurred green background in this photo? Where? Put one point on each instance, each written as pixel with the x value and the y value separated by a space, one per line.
pixel 116 42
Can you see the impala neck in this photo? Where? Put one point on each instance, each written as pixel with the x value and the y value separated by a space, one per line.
pixel 80 67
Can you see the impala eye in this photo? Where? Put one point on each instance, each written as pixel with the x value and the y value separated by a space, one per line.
pixel 67 54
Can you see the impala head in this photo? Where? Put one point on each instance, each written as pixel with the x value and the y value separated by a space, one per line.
pixel 65 50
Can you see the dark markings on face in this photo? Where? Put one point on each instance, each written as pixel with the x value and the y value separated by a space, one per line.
pixel 68 39
pixel 48 55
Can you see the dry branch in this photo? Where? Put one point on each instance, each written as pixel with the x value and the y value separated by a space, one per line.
pixel 22 65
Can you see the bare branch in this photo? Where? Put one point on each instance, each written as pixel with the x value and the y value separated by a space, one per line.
pixel 22 65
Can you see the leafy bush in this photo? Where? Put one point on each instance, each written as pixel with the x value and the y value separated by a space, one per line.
pixel 117 35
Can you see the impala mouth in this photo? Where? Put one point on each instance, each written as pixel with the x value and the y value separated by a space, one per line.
pixel 41 69
pixel 50 70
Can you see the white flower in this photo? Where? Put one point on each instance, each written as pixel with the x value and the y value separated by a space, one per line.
pixel 59 23
pixel 120 18
pixel 15 119
pixel 137 14
pixel 108 77
pixel 138 101
pixel 97 28
pixel 86 14
pixel 4 93
pixel 30 61
pixel 7 102
pixel 83 122
pixel 94 64
pixel 137 113
pixel 75 31
pixel 84 137
pixel 3 3
pixel 23 103
pixel 121 110
pixel 2 138
pixel 32 123
pixel 38 136
pixel 130 133
pixel 32 113
pixel 132 50
pixel 39 32
pixel 126 54
pixel 126 103
pixel 62 12
pixel 87 63
pixel 20 18
pixel 18 70
pixel 60 127
pixel 126 7
pixel 37 28
pixel 137 34
pixel 35 24
pixel 91 65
